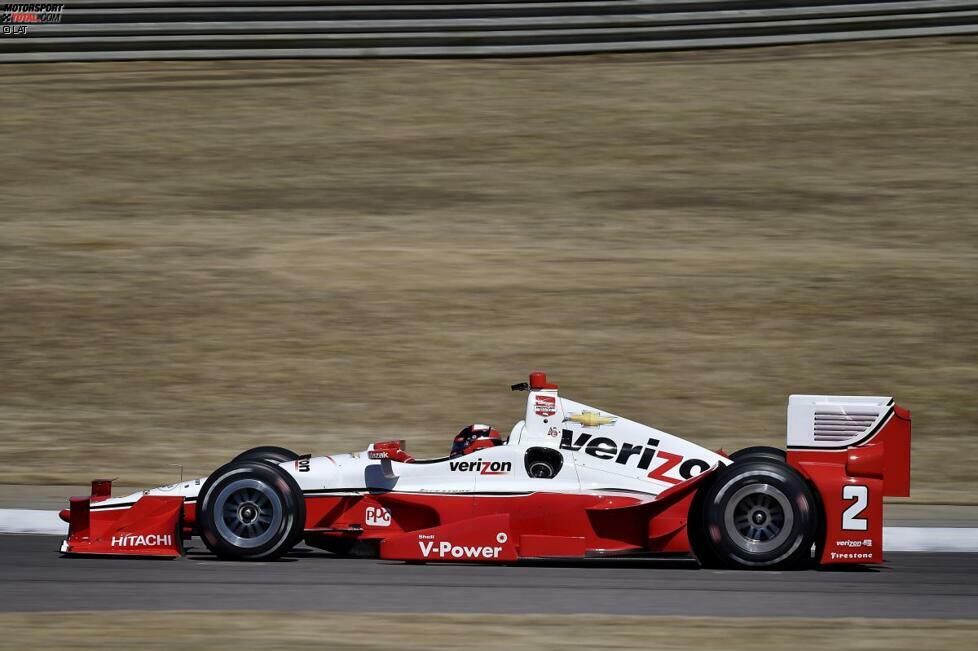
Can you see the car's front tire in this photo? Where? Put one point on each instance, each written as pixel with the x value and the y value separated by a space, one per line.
pixel 269 453
pixel 757 514
pixel 250 510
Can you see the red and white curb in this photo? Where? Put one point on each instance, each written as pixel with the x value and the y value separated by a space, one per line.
pixel 895 539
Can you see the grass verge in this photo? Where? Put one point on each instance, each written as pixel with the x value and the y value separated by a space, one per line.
pixel 200 257
pixel 313 630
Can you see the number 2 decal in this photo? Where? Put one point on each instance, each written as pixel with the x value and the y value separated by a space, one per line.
pixel 850 517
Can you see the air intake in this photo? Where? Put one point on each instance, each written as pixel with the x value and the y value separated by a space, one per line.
pixel 834 422
pixel 838 425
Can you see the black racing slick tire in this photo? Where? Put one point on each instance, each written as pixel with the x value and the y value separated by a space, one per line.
pixel 757 514
pixel 250 511
pixel 268 453
pixel 759 452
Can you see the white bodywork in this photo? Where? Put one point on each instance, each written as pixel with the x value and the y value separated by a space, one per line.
pixel 602 452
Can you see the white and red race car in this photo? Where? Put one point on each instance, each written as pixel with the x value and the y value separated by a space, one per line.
pixel 571 481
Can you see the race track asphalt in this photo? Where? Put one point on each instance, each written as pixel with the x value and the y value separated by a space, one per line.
pixel 35 577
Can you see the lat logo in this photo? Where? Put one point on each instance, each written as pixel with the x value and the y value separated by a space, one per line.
pixel 377 516
pixel 545 406
pixel 481 467
pixel 32 13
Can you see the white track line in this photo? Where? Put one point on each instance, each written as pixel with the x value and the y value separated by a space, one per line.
pixel 31 521
pixel 930 539
pixel 895 539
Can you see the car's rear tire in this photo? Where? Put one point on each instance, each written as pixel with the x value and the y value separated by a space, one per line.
pixel 250 510
pixel 757 514
pixel 759 452
pixel 268 453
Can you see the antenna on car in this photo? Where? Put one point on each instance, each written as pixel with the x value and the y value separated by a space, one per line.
pixel 177 465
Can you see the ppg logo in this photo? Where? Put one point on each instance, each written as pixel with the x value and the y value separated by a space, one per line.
pixel 378 516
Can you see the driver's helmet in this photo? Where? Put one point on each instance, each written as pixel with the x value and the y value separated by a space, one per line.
pixel 475 437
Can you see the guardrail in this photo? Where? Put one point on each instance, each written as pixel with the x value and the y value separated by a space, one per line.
pixel 213 29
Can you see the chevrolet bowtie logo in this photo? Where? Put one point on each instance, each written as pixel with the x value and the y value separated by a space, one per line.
pixel 591 419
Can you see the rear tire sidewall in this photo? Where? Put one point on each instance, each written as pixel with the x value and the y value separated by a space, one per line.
pixel 759 453
pixel 787 489
pixel 268 453
pixel 289 528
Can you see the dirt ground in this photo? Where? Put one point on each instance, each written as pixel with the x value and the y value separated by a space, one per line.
pixel 200 257
pixel 313 630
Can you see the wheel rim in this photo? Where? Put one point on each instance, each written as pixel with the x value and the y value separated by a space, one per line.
pixel 248 513
pixel 758 518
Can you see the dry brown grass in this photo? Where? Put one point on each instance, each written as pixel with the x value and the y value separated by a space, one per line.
pixel 313 630
pixel 200 257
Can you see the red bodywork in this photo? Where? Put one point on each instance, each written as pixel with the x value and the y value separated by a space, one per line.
pixel 879 468
pixel 850 485
pixel 538 525
pixel 151 527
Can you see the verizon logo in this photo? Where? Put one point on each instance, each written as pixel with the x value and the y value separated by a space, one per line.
pixel 481 467
pixel 602 447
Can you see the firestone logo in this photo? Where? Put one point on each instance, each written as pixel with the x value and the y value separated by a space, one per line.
pixel 446 549
pixel 850 556
pixel 150 540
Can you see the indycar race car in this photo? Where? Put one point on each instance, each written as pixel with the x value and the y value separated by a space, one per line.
pixel 570 481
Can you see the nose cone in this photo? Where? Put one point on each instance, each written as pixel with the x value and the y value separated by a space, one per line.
pixel 65 515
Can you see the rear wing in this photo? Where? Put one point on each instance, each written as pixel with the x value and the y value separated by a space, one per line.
pixel 839 423
pixel 855 450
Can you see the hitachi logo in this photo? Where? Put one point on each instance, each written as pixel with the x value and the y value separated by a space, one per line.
pixel 601 447
pixel 482 467
pixel 150 540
